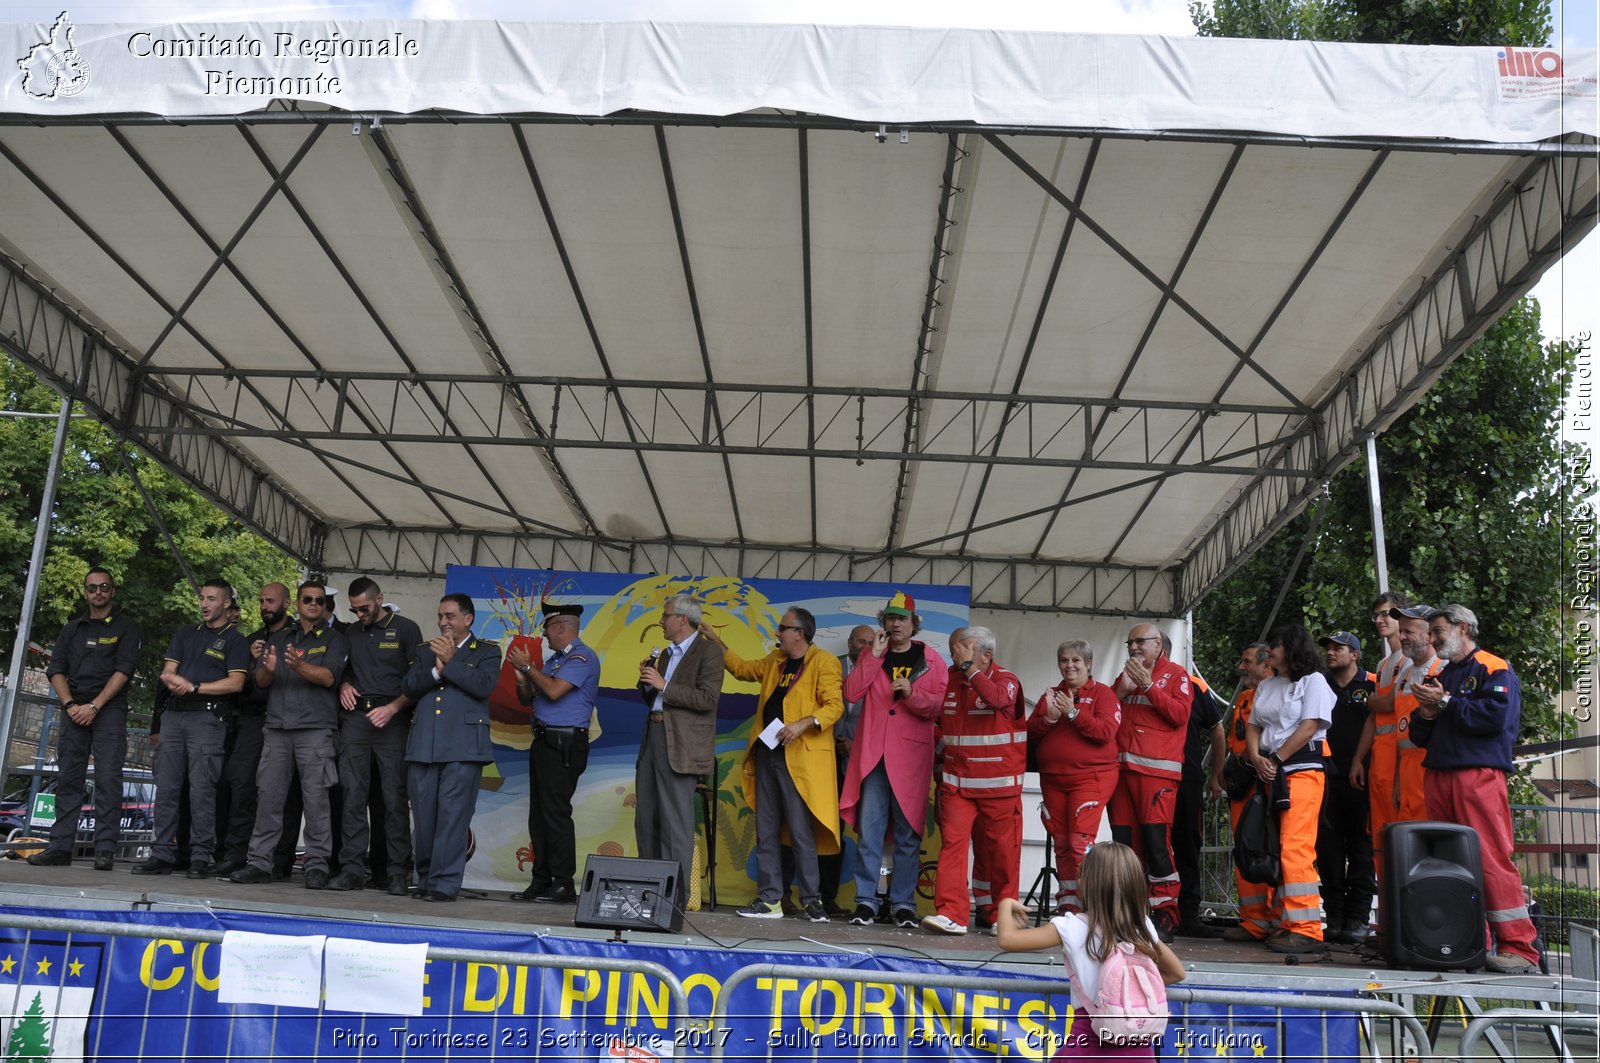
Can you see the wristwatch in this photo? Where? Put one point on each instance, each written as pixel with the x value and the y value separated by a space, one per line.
pixel 1444 699
pixel 964 666
pixel 1072 713
pixel 816 723
pixel 523 668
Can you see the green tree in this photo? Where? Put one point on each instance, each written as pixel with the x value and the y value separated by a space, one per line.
pixel 30 1038
pixel 1482 500
pixel 100 519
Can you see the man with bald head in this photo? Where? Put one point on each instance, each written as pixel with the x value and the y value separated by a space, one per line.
pixel 1156 699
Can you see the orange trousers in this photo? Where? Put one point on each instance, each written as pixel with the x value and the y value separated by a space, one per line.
pixel 1298 903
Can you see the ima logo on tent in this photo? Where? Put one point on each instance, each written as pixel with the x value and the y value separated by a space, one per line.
pixel 1523 63
pixel 54 68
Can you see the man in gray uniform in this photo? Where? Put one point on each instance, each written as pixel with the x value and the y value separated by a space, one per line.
pixel 94 658
pixel 373 729
pixel 300 671
pixel 205 668
pixel 450 685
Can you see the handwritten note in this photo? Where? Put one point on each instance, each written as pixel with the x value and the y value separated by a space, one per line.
pixel 271 969
pixel 374 977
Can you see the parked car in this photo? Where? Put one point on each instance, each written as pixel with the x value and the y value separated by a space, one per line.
pixel 138 808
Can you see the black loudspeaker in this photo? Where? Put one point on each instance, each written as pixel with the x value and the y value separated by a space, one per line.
pixel 1430 902
pixel 627 893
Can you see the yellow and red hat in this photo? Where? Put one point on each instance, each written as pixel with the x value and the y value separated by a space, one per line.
pixel 901 604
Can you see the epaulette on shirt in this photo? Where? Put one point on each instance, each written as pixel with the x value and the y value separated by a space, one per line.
pixel 576 657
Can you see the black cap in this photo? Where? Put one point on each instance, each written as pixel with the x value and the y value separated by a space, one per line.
pixel 553 609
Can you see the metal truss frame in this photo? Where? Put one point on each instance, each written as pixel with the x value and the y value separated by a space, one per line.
pixel 1550 205
pixel 1284 451
pixel 997 583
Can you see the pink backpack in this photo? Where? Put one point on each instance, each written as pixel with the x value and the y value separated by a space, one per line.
pixel 1131 1005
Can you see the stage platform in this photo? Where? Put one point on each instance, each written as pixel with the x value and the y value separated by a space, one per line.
pixel 1211 962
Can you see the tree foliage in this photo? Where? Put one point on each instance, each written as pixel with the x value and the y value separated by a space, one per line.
pixel 100 519
pixel 1483 501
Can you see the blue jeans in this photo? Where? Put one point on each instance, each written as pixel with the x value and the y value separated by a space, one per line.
pixel 873 810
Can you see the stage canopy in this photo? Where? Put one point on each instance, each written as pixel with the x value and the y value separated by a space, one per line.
pixel 1076 320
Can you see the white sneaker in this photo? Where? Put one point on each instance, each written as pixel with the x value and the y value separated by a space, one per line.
pixel 942 924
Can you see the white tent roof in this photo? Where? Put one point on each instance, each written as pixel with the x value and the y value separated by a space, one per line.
pixel 1081 324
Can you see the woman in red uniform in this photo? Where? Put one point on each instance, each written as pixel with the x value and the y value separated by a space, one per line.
pixel 1073 733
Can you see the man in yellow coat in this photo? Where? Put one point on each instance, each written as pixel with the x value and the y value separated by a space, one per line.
pixel 789 769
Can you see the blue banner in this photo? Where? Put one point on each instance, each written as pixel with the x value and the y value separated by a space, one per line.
pixel 94 996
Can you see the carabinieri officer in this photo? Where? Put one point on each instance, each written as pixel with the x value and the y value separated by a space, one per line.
pixel 563 695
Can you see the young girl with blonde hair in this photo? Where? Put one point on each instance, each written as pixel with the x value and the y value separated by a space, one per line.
pixel 1114 896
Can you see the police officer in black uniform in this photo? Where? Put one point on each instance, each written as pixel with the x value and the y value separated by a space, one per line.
pixel 93 660
pixel 374 723
pixel 301 668
pixel 204 670
pixel 1344 836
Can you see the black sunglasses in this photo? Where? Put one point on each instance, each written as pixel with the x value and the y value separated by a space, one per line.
pixel 790 627
pixel 311 599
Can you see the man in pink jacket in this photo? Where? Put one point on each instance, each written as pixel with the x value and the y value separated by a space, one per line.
pixel 900 683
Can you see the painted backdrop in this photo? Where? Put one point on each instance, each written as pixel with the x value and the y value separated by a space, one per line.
pixel 622 622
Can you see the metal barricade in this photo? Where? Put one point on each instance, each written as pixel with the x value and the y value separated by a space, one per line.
pixel 1478 1029
pixel 825 1039
pixel 171 958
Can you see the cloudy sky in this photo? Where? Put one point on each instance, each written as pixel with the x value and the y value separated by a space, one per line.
pixel 1566 293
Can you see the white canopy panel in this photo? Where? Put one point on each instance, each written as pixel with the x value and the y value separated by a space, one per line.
pixel 1077 320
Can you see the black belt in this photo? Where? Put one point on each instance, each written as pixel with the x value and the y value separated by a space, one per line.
pixel 191 703
pixel 543 727
pixel 374 702
pixel 656 716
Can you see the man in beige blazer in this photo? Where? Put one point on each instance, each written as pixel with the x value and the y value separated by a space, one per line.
pixel 681 687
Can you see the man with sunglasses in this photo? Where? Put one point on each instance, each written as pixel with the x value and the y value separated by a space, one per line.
pixel 563 695
pixel 1156 698
pixel 94 657
pixel 204 670
pixel 373 727
pixel 300 670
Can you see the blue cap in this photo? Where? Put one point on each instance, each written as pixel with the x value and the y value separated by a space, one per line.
pixel 1343 638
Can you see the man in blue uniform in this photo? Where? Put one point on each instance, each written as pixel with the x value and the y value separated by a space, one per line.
pixel 94 658
pixel 562 694
pixel 204 670
pixel 448 746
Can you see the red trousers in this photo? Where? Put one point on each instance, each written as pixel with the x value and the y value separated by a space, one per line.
pixel 1141 817
pixel 993 827
pixel 1073 807
pixel 1476 799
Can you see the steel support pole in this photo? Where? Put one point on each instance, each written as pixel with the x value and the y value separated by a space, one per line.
pixel 30 590
pixel 1379 554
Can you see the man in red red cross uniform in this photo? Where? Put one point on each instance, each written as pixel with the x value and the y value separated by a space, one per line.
pixel 983 726
pixel 1155 696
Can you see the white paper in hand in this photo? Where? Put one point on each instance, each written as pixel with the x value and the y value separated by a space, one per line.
pixel 769 733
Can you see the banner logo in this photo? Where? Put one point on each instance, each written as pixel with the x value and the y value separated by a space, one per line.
pixel 1539 73
pixel 54 69
pixel 50 987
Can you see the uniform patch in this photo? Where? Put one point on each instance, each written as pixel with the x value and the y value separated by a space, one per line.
pixel 313 651
pixel 1405 723
pixel 1470 685
pixel 388 645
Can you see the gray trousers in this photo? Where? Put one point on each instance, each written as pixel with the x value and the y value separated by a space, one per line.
pixel 778 803
pixel 443 797
pixel 360 746
pixel 663 822
pixel 106 738
pixel 281 752
pixel 190 754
